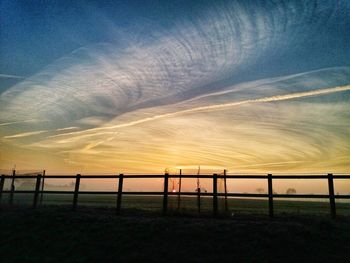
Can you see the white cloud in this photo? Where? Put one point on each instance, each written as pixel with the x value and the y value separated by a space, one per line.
pixel 24 134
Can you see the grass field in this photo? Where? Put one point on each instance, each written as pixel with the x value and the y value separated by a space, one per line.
pixel 236 206
pixel 96 234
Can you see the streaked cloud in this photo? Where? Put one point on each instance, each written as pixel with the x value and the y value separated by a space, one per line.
pixel 11 76
pixel 206 90
pixel 24 134
pixel 276 98
pixel 67 129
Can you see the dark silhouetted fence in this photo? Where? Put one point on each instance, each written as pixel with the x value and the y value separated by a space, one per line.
pixel 165 193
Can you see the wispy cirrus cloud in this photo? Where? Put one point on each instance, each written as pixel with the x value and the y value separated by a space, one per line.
pixel 7 76
pixel 67 129
pixel 172 65
pixel 202 90
pixel 24 134
pixel 320 92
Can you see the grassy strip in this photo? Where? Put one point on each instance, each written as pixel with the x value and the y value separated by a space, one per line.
pixel 57 234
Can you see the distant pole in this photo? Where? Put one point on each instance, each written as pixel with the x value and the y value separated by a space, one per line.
pixel 331 195
pixel 37 189
pixel 76 191
pixel 42 188
pixel 120 192
pixel 12 186
pixel 269 182
pixel 225 185
pixel 179 196
pixel 215 194
pixel 199 199
pixel 198 190
pixel 165 194
pixel 2 183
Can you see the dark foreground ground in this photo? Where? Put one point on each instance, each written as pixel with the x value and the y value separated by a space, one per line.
pixel 57 234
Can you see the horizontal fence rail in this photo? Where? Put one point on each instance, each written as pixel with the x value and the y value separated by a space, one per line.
pixel 40 191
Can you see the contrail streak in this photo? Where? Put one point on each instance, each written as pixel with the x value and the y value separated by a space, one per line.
pixel 67 129
pixel 25 134
pixel 11 76
pixel 16 122
pixel 216 107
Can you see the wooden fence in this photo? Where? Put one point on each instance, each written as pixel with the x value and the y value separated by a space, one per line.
pixel 39 188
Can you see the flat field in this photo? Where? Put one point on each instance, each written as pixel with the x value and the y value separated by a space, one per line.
pixel 189 204
pixel 55 233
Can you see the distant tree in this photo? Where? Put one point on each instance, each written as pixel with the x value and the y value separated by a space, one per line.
pixel 291 191
pixel 260 190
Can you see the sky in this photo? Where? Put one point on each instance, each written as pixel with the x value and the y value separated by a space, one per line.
pixel 254 86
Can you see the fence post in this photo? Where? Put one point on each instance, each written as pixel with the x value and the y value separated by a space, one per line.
pixel 120 192
pixel 37 189
pixel 215 194
pixel 179 196
pixel 269 182
pixel 76 191
pixel 225 185
pixel 331 195
pixel 42 188
pixel 199 199
pixel 165 193
pixel 2 183
pixel 12 191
